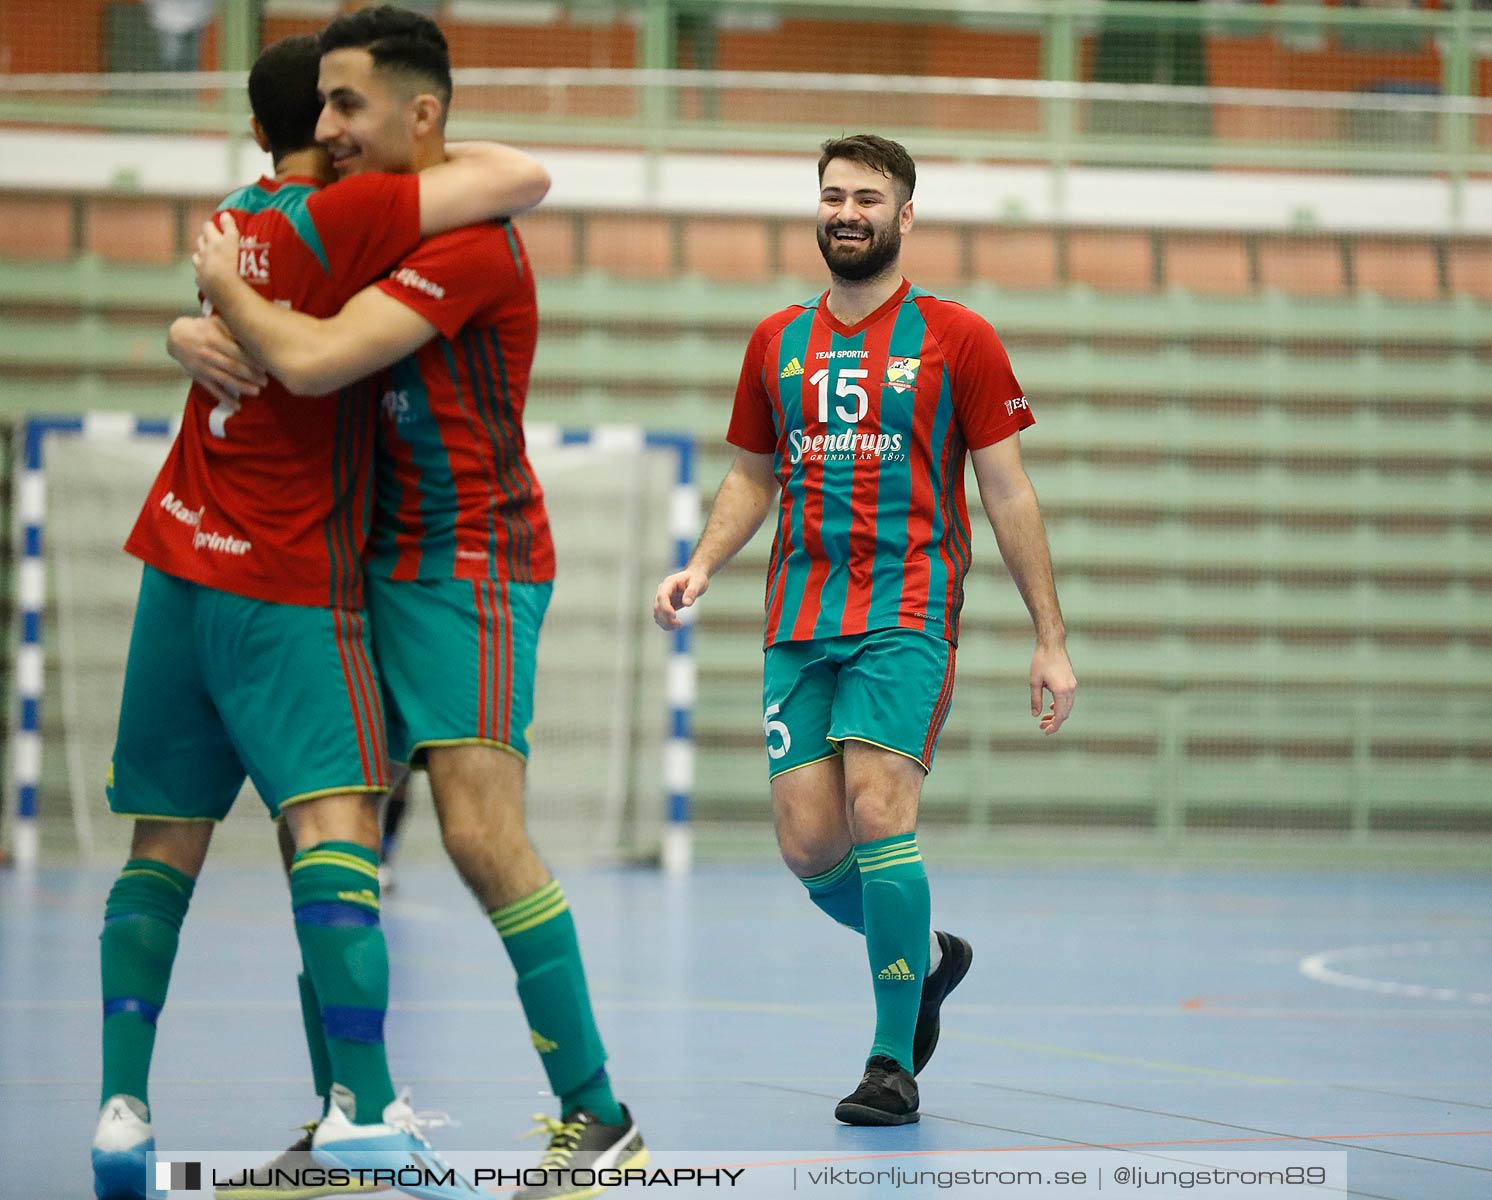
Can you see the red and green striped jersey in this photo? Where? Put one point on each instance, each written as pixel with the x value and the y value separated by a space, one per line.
pixel 869 425
pixel 455 494
pixel 272 498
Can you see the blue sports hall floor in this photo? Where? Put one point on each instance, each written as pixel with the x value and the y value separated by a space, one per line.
pixel 1170 1009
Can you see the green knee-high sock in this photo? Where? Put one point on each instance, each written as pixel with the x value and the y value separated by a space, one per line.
pixel 321 1060
pixel 838 892
pixel 539 936
pixel 334 891
pixel 897 911
pixel 142 921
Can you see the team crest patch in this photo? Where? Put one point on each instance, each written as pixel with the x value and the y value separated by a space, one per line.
pixel 901 374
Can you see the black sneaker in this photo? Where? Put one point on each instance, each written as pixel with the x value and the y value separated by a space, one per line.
pixel 581 1145
pixel 887 1095
pixel 270 1181
pixel 957 955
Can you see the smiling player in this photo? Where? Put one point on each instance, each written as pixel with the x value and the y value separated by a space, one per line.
pixel 460 562
pixel 854 414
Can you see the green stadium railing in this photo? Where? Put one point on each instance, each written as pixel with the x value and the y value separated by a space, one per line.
pixel 785 112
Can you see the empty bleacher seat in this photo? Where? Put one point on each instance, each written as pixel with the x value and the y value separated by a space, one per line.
pixel 933 256
pixel 550 240
pixel 732 249
pixel 195 214
pixel 1399 268
pixel 1210 264
pixel 1302 266
pixel 36 226
pixel 798 251
pixel 631 246
pixel 1469 264
pixel 1021 257
pixel 132 229
pixel 1111 260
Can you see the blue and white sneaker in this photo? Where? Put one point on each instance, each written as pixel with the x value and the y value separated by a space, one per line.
pixel 120 1144
pixel 398 1143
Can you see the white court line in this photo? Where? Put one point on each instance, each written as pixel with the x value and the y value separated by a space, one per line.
pixel 1319 968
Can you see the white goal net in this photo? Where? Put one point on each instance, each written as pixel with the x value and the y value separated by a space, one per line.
pixel 597 744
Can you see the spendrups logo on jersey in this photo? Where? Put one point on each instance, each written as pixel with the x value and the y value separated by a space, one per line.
pixel 848 443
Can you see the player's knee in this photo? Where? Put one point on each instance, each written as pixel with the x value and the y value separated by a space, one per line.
pixel 473 844
pixel 801 860
pixel 464 843
pixel 809 849
pixel 876 813
pixel 351 817
pixel 179 844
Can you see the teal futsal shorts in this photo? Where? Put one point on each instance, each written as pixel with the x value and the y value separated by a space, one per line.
pixel 891 688
pixel 458 658
pixel 219 687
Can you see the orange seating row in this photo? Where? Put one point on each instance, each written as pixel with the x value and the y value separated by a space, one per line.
pixel 158 230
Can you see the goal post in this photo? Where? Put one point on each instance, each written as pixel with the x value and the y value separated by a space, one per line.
pixel 611 769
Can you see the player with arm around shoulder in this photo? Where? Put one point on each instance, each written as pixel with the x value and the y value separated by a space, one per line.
pixel 853 417
pixel 460 563
pixel 249 631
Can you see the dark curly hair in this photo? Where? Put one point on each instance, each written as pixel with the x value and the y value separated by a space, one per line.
pixel 879 154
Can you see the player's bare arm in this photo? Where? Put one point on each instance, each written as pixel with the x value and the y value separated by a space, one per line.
pixel 747 494
pixel 480 181
pixel 310 356
pixel 1010 504
pixel 210 355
